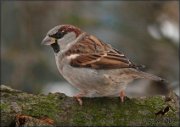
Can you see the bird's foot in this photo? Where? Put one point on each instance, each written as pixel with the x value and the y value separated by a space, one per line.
pixel 122 95
pixel 78 98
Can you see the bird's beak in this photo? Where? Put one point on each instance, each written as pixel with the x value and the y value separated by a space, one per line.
pixel 48 41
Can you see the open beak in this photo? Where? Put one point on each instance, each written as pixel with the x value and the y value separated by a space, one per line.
pixel 48 41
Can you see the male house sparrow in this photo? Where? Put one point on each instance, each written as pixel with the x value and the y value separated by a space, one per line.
pixel 90 65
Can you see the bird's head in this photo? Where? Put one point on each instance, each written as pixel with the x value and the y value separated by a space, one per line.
pixel 59 36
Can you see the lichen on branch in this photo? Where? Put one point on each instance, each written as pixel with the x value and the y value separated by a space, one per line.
pixel 58 109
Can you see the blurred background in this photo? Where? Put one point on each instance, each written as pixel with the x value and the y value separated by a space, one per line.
pixel 147 33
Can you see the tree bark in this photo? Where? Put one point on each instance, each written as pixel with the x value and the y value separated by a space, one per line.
pixel 19 108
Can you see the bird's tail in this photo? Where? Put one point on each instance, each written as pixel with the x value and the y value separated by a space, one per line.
pixel 150 77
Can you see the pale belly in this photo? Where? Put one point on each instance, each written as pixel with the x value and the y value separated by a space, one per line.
pixel 94 82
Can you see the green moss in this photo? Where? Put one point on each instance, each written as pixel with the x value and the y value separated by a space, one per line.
pixel 43 106
pixel 4 106
pixel 95 111
pixel 109 112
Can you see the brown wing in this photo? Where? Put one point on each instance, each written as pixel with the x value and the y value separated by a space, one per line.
pixel 92 53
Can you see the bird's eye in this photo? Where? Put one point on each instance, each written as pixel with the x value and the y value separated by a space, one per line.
pixel 57 35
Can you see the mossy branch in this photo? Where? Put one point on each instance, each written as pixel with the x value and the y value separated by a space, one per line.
pixel 18 107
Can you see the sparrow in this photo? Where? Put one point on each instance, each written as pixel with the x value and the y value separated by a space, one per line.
pixel 95 68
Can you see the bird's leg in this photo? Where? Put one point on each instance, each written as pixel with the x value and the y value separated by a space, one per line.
pixel 122 95
pixel 78 97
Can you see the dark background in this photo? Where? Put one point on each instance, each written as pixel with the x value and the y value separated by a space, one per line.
pixel 147 32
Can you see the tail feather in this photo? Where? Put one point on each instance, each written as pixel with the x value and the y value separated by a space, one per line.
pixel 150 76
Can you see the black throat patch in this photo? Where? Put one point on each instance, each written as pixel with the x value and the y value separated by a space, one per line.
pixel 55 47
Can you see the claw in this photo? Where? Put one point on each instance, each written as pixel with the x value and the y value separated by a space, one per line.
pixel 122 95
pixel 78 98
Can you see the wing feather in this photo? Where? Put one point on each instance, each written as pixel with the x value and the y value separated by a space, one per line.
pixel 93 53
